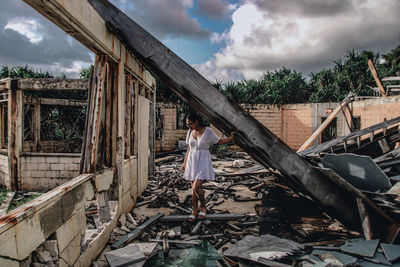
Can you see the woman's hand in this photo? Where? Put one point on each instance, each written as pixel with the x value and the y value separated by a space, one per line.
pixel 183 168
pixel 232 136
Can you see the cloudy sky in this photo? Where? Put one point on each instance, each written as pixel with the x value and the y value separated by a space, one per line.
pixel 223 39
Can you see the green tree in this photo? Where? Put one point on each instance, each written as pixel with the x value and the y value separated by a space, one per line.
pixel 23 72
pixel 84 73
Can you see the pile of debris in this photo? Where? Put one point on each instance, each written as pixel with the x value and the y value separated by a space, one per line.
pixel 247 201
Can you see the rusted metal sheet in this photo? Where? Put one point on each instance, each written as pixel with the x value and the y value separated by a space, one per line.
pixel 251 136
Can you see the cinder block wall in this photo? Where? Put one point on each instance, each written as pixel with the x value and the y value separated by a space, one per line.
pixel 297 124
pixel 41 171
pixel 374 111
pixel 171 135
pixel 293 123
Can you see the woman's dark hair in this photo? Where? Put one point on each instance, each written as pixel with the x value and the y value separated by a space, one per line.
pixel 196 117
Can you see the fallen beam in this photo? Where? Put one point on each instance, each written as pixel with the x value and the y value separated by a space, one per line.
pixel 135 233
pixel 251 135
pixel 326 122
pixel 211 217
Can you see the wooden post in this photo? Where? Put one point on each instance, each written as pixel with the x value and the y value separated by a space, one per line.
pixel 152 134
pixel 15 128
pixel 376 77
pixel 127 117
pixel 95 113
pixel 365 223
pixel 36 126
pixel 325 124
pixel 2 126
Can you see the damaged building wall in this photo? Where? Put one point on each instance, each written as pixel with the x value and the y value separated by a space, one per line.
pixel 115 159
pixel 47 170
pixel 294 123
pixel 3 169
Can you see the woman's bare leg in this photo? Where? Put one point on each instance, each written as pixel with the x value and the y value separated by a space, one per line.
pixel 195 200
pixel 200 194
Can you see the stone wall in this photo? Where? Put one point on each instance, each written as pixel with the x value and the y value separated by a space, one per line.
pixel 293 123
pixel 41 171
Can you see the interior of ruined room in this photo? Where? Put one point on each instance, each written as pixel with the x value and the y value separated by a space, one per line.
pixel 314 184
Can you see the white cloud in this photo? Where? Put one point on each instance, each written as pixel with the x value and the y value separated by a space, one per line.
pixel 27 27
pixel 267 35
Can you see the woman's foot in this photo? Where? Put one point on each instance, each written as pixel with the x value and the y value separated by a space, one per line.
pixel 202 213
pixel 192 217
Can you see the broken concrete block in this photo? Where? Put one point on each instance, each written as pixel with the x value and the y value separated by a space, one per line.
pixel 104 180
pixel 51 247
pixel 43 256
pixel 37 264
pixel 71 253
pixel 103 207
pixel 122 219
pixel 89 191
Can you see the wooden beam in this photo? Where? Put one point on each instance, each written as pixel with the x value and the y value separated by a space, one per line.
pixel 36 126
pixel 376 77
pixel 55 101
pixel 53 84
pixel 325 124
pixel 15 129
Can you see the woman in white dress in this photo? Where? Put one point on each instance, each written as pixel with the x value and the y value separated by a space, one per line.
pixel 197 166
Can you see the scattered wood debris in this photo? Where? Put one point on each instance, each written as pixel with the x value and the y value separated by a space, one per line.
pixel 272 208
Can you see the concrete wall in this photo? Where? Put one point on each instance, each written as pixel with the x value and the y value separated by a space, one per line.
pixel 170 135
pixel 3 169
pixel 41 171
pixel 293 123
pixel 60 215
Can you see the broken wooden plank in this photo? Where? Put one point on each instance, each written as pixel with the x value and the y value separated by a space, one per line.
pixel 177 242
pixel 364 217
pixel 325 146
pixel 211 217
pixel 135 233
pixel 197 227
pixel 326 122
pixel 376 77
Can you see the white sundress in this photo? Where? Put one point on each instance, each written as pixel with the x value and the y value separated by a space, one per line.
pixel 198 163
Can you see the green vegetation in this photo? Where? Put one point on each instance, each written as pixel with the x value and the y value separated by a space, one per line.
pixel 3 195
pixel 21 200
pixel 23 72
pixel 285 86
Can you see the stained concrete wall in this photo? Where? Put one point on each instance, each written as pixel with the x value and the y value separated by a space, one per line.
pixel 41 171
pixel 293 123
pixel 3 169
pixel 60 215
